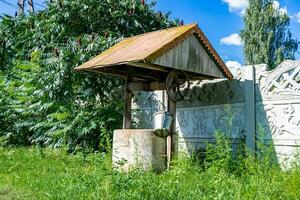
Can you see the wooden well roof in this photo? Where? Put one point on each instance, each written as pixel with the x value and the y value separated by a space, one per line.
pixel 142 56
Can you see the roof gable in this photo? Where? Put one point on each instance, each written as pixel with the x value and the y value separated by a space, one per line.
pixel 190 56
pixel 148 47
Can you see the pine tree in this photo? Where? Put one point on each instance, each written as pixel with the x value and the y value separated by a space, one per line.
pixel 266 34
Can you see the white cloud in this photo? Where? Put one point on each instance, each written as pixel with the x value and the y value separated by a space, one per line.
pixel 276 4
pixel 297 17
pixel 282 10
pixel 234 67
pixel 237 5
pixel 233 39
pixel 240 6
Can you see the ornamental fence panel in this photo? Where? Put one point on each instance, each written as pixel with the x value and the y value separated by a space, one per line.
pixel 258 106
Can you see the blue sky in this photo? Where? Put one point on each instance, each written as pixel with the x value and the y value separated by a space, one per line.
pixel 219 19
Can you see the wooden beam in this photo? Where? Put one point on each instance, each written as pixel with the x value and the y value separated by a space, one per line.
pixel 149 66
pixel 111 74
pixel 134 72
pixel 146 86
pixel 137 72
pixel 127 106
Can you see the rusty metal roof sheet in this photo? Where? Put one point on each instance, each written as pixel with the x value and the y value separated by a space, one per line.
pixel 148 46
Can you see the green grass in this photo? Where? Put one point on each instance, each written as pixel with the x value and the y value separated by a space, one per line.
pixel 31 173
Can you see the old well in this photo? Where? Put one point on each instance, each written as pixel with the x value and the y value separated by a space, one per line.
pixel 166 60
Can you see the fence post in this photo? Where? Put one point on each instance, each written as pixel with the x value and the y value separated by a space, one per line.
pixel 21 7
pixel 31 6
pixel 250 108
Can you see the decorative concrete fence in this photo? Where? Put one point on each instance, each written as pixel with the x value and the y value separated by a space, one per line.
pixel 258 105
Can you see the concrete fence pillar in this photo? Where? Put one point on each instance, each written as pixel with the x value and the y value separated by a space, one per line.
pixel 250 112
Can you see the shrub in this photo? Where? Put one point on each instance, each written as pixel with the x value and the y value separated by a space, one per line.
pixel 45 102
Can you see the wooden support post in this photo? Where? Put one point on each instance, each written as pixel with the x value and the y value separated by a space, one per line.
pixel 172 139
pixel 127 106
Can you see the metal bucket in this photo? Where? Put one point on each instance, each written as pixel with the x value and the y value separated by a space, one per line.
pixel 162 123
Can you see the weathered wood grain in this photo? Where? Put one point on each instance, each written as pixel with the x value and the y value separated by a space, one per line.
pixel 190 56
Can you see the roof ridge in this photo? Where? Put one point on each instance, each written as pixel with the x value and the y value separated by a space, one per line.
pixel 160 30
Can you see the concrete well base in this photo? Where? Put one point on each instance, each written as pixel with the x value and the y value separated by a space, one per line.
pixel 139 148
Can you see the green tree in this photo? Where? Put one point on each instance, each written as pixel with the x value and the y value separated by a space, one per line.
pixel 61 107
pixel 266 35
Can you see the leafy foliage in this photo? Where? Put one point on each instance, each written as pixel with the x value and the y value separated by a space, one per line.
pixel 266 36
pixel 39 173
pixel 43 101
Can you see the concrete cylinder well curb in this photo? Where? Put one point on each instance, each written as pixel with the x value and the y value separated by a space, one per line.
pixel 139 148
